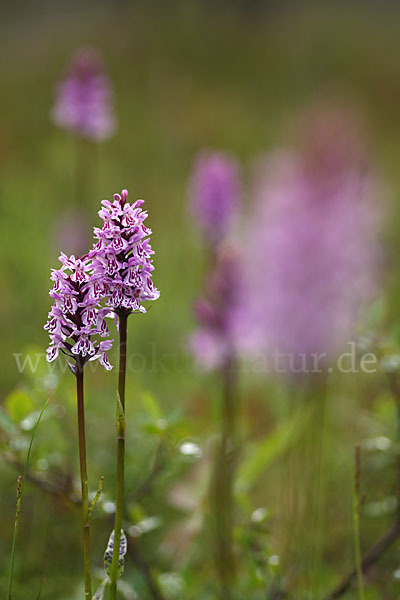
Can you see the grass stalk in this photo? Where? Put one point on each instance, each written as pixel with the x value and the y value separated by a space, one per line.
pixel 20 491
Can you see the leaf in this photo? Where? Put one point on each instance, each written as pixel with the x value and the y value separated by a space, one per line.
pixel 108 555
pixel 99 595
pixel 19 404
pixel 20 491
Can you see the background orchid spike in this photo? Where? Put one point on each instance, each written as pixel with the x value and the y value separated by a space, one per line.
pixel 84 98
pixel 214 193
pixel 314 239
pixel 215 341
pixel 122 261
pixel 76 320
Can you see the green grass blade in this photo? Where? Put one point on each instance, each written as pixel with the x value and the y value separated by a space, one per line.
pixel 20 491
pixel 41 587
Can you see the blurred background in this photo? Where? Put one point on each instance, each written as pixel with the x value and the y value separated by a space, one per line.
pixel 236 77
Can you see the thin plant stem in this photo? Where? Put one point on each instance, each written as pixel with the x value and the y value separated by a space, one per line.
pixel 123 329
pixel 370 558
pixel 41 589
pixel 318 431
pixel 223 486
pixel 84 479
pixel 394 385
pixel 20 491
pixel 388 538
pixel 356 522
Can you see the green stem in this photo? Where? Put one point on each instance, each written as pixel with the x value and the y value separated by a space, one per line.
pixel 356 522
pixel 398 455
pixel 20 491
pixel 14 542
pixel 123 327
pixel 223 487
pixel 317 447
pixel 357 548
pixel 84 479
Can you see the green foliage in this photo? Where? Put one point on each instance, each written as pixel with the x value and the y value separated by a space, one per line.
pixel 19 405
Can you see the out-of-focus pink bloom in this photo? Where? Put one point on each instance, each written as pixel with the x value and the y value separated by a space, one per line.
pixel 214 343
pixel 84 99
pixel 313 244
pixel 214 194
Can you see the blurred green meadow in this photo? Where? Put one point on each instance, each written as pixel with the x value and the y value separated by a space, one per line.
pixel 234 76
